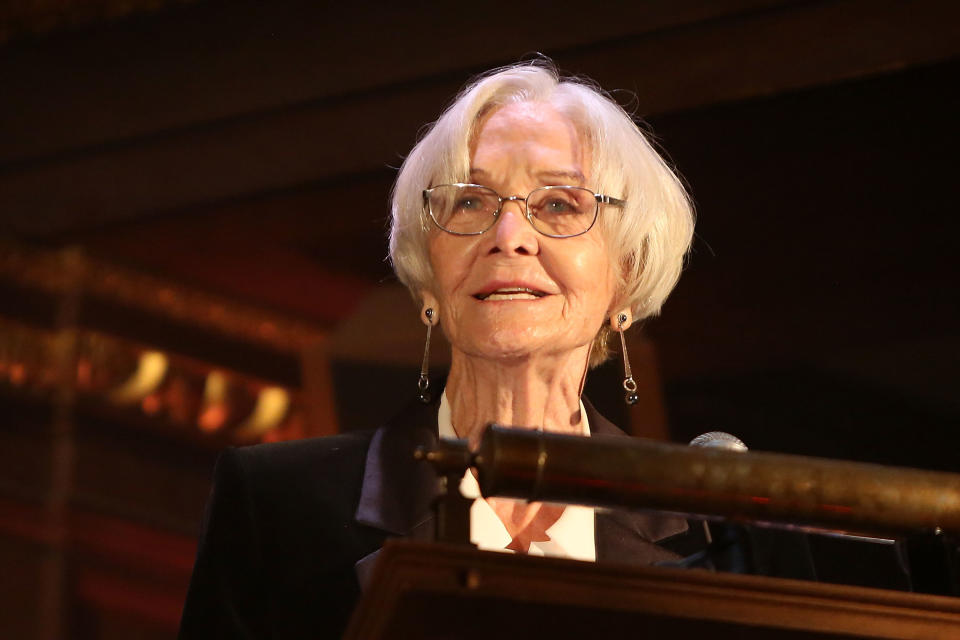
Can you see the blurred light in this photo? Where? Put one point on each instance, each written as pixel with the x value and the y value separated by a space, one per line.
pixel 271 408
pixel 18 373
pixel 267 329
pixel 215 388
pixel 212 418
pixel 151 369
pixel 84 373
pixel 150 404
pixel 214 412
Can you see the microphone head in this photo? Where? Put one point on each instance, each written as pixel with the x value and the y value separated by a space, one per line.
pixel 719 440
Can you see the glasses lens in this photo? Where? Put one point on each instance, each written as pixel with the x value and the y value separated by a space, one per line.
pixel 463 208
pixel 562 211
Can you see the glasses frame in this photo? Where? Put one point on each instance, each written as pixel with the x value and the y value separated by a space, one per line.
pixel 599 197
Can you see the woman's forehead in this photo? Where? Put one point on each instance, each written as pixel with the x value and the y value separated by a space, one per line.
pixel 534 138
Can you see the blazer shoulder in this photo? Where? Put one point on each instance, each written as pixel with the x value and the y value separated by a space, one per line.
pixel 278 545
pixel 315 453
pixel 298 474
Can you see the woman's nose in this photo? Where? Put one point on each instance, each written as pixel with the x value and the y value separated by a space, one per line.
pixel 513 232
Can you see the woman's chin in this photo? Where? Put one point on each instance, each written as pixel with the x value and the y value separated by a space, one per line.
pixel 512 346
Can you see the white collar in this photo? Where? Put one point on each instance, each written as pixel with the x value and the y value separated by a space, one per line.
pixel 572 536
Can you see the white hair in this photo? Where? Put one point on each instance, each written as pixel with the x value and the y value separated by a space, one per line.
pixel 648 238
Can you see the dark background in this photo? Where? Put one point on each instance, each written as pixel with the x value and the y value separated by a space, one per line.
pixel 209 180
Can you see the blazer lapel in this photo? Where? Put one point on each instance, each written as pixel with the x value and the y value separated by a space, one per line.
pixel 626 536
pixel 397 490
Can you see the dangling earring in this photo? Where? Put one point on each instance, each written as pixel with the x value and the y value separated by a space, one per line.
pixel 629 384
pixel 424 383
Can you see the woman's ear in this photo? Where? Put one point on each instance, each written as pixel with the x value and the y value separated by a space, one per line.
pixel 430 311
pixel 621 320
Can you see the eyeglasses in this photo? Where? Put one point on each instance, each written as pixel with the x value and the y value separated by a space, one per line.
pixel 555 211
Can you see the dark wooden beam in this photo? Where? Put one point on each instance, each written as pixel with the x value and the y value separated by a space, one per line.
pixel 96 141
pixel 243 61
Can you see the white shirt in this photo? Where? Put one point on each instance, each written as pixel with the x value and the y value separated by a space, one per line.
pixel 571 536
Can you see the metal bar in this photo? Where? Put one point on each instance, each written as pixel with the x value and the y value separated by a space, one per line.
pixel 630 472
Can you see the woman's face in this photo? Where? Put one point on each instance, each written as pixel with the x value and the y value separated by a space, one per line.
pixel 484 283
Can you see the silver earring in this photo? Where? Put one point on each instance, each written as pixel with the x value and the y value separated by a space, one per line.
pixel 424 383
pixel 629 384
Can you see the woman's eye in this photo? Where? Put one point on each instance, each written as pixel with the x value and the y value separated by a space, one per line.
pixel 467 204
pixel 558 205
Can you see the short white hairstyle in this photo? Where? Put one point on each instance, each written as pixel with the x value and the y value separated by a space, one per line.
pixel 648 238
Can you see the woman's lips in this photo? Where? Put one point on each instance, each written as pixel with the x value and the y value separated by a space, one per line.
pixel 510 293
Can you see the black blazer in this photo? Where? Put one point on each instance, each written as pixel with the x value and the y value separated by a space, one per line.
pixel 292 528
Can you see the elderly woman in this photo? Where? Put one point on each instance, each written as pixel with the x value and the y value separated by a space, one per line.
pixel 530 222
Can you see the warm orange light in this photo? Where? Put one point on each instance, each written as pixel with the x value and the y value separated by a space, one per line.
pixel 215 411
pixel 212 418
pixel 84 373
pixel 17 373
pixel 267 329
pixel 151 370
pixel 150 404
pixel 270 410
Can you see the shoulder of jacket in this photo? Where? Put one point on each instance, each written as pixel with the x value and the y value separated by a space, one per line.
pixel 292 454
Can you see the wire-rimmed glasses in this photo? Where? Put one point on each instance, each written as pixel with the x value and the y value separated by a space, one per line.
pixel 555 211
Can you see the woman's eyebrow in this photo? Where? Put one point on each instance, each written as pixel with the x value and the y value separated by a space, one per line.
pixel 574 177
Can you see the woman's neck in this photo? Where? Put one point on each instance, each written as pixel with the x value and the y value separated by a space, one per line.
pixel 530 392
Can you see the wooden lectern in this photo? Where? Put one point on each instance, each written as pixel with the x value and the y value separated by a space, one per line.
pixel 441 591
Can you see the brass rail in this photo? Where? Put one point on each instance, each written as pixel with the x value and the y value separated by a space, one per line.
pixel 630 472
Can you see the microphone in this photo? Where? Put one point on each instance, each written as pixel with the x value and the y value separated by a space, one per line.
pixel 728 543
pixel 719 440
